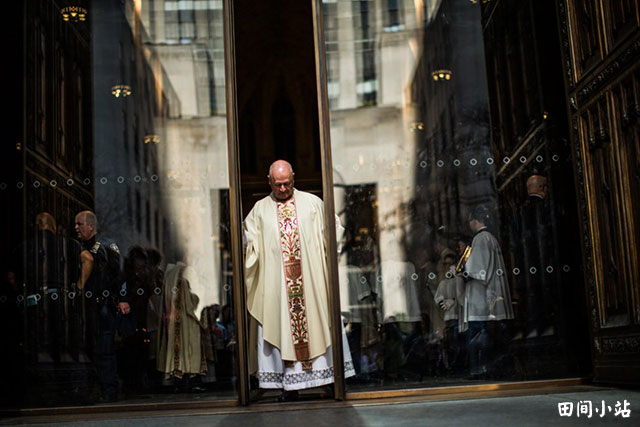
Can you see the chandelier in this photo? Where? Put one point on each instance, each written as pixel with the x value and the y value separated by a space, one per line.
pixel 148 139
pixel 73 14
pixel 439 75
pixel 121 90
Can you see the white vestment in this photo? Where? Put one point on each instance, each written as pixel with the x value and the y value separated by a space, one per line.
pixel 486 291
pixel 267 298
pixel 447 289
pixel 399 291
pixel 179 344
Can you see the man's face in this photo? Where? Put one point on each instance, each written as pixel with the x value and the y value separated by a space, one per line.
pixel 281 182
pixel 84 230
pixel 475 225
pixel 543 188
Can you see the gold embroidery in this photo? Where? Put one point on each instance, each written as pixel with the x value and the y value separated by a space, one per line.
pixel 291 250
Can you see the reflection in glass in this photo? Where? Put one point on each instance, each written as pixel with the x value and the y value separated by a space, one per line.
pixel 73 14
pixel 130 124
pixel 434 202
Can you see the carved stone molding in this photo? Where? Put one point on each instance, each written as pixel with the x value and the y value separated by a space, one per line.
pixel 618 345
pixel 532 141
pixel 565 44
pixel 44 174
pixel 589 269
pixel 609 73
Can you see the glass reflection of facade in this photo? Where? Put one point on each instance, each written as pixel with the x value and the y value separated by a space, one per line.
pixel 422 170
pixel 479 177
pixel 130 105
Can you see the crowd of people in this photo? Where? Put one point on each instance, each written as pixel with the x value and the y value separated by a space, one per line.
pixel 455 319
pixel 142 327
pixel 129 321
pixel 454 308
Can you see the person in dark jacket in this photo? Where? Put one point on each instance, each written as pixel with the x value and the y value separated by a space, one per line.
pixel 101 282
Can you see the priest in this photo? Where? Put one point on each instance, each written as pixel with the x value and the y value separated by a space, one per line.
pixel 287 284
pixel 485 295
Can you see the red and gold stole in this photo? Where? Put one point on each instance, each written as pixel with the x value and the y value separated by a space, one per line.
pixel 291 249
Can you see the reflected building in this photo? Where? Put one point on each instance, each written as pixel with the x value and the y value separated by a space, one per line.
pixel 530 139
pixel 395 134
pixel 166 180
pixel 454 158
pixel 435 107
pixel 371 55
pixel 432 116
pixel 454 163
pixel 113 125
pixel 133 99
pixel 49 170
pixel 186 39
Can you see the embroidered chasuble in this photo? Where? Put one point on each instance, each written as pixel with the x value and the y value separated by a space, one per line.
pixel 290 247
pixel 286 276
pixel 180 349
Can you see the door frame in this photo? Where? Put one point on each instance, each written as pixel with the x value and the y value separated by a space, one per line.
pixel 235 201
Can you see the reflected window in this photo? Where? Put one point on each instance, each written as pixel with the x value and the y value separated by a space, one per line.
pixel 393 16
pixel 364 36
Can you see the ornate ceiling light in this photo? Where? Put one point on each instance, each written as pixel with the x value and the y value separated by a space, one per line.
pixel 151 139
pixel 73 14
pixel 121 91
pixel 416 126
pixel 441 75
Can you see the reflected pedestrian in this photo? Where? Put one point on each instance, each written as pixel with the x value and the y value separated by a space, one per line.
pixel 101 282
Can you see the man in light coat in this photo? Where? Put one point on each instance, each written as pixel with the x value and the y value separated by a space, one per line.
pixel 287 284
pixel 484 294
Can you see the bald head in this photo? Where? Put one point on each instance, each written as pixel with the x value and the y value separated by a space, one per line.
pixel 86 225
pixel 280 167
pixel 537 186
pixel 281 179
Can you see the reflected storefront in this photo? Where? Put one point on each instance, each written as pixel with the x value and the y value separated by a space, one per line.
pixel 456 142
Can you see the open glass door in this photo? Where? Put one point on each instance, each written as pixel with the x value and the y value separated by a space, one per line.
pixel 124 116
pixel 452 176
pixel 274 96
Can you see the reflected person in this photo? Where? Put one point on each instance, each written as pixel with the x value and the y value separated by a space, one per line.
pixel 537 243
pixel 101 281
pixel 180 353
pixel 134 351
pixel 485 295
pixel 445 297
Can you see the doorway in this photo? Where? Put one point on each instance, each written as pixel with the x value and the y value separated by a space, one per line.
pixel 275 97
pixel 276 94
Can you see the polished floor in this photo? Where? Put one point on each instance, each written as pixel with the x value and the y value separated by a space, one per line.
pixel 542 408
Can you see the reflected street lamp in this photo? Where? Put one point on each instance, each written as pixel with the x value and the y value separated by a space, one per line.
pixel 73 14
pixel 441 75
pixel 416 126
pixel 148 139
pixel 121 90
